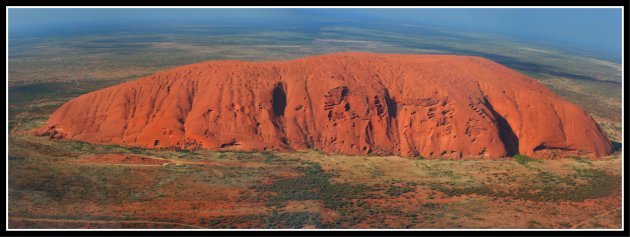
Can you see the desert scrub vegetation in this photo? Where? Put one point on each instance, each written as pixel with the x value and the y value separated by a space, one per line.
pixel 467 190
pixel 292 220
pixel 110 148
pixel 547 186
pixel 275 220
pixel 80 147
pixel 581 159
pixel 244 155
pixel 313 185
pixel 600 184
pixel 269 157
pixel 396 191
pixel 232 222
pixel 594 183
pixel 524 160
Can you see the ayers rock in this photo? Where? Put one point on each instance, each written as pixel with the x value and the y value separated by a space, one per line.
pixel 351 103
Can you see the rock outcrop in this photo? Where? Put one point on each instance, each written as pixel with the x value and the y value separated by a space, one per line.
pixel 351 103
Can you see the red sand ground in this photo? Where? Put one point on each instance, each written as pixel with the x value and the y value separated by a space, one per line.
pixel 353 103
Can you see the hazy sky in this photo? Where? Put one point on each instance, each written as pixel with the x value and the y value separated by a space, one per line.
pixel 594 29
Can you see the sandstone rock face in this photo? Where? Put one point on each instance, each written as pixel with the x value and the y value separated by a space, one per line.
pixel 351 103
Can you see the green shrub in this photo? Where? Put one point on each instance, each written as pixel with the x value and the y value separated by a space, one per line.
pixel 269 157
pixel 581 159
pixel 523 159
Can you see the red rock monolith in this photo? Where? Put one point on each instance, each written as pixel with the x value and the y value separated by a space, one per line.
pixel 350 103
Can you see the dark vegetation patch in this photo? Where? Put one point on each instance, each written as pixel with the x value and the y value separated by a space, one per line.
pixel 313 185
pixel 396 191
pixel 231 222
pixel 581 159
pixel 74 184
pixel 15 158
pixel 269 157
pixel 593 183
pixel 292 220
pixel 524 160
pixel 47 150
